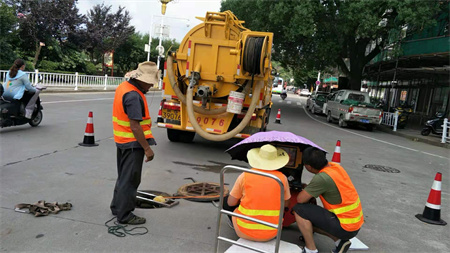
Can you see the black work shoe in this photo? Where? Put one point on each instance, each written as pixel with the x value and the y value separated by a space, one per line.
pixel 135 220
pixel 343 246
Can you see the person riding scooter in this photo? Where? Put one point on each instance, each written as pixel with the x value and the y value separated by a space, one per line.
pixel 17 88
pixel 283 94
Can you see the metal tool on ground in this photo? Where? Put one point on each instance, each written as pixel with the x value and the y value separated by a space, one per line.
pixel 146 199
pixel 337 153
pixel 278 119
pixel 432 212
pixel 89 140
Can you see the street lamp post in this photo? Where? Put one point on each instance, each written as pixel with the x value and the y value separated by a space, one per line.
pixel 150 39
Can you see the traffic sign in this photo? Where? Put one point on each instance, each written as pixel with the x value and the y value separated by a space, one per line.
pixel 317 82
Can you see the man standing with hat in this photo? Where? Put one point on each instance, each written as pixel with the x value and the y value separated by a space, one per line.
pixel 133 136
pixel 258 196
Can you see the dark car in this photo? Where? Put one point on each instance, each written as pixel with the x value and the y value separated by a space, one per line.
pixel 315 102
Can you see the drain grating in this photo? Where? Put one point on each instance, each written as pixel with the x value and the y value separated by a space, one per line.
pixel 381 168
pixel 201 191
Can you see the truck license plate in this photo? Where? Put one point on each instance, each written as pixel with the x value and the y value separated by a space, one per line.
pixel 171 114
pixel 364 120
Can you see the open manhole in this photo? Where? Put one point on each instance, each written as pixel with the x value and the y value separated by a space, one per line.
pixel 145 199
pixel 381 168
pixel 201 191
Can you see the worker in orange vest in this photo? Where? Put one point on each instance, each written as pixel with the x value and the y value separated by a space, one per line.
pixel 258 196
pixel 133 136
pixel 341 217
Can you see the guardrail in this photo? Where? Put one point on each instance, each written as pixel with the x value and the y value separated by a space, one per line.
pixel 445 131
pixel 71 80
pixel 390 119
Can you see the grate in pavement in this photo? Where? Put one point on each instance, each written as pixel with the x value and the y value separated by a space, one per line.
pixel 381 168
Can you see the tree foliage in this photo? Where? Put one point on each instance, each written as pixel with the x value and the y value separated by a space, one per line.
pixel 106 31
pixel 8 34
pixel 315 34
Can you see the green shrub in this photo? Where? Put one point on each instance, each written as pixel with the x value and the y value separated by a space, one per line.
pixel 29 66
pixel 90 68
pixel 48 65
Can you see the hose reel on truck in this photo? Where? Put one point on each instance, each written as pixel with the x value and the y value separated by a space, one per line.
pixel 215 59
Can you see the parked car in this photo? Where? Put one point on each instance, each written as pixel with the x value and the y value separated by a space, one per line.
pixel 353 107
pixel 305 92
pixel 315 102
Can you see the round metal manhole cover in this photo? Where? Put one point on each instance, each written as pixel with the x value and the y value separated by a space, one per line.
pixel 201 191
pixel 381 168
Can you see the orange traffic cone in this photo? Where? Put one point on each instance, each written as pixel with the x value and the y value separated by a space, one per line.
pixel 160 119
pixel 337 153
pixel 432 212
pixel 278 119
pixel 89 139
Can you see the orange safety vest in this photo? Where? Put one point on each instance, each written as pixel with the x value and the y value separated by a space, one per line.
pixel 349 211
pixel 261 201
pixel 121 122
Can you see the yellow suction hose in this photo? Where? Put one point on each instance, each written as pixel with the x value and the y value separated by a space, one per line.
pixel 232 133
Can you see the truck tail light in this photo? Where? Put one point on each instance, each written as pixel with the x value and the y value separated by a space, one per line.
pixel 350 109
pixel 171 106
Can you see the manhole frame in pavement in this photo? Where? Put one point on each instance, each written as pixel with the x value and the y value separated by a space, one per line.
pixel 201 191
pixel 381 168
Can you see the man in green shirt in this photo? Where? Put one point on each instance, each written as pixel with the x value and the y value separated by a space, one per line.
pixel 341 217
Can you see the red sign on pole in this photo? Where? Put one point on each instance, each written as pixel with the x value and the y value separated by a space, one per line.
pixel 317 82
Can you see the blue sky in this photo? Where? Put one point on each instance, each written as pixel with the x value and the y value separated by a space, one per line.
pixel 179 14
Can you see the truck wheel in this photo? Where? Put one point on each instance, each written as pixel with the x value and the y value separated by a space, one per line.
pixel 180 136
pixel 425 132
pixel 329 118
pixel 341 121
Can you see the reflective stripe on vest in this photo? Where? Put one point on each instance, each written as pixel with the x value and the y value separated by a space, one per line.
pixel 349 211
pixel 258 188
pixel 121 123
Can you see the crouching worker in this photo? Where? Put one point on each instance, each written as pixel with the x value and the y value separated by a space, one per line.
pixel 341 217
pixel 258 196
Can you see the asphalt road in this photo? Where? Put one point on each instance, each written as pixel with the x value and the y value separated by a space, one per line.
pixel 46 163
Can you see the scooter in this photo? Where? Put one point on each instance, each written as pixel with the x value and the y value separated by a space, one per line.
pixel 12 113
pixel 283 96
pixel 403 115
pixel 434 125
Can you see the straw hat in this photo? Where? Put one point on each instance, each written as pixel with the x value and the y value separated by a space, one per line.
pixel 267 157
pixel 146 72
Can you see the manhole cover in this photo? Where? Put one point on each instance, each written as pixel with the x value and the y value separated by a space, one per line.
pixel 381 168
pixel 202 191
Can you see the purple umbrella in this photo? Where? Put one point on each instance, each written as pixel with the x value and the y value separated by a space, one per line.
pixel 239 150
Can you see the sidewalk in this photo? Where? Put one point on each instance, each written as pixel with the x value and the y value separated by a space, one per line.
pixel 413 133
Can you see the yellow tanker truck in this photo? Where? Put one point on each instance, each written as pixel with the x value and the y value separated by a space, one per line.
pixel 218 83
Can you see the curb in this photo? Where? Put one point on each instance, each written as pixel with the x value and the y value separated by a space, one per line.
pixel 81 89
pixel 413 138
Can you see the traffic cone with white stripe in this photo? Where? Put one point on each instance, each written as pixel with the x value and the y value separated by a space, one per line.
pixel 337 153
pixel 278 119
pixel 432 212
pixel 160 119
pixel 89 139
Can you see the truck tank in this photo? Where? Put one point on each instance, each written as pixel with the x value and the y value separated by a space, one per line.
pixel 218 83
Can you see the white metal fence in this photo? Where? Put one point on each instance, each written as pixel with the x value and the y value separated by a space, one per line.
pixel 445 131
pixel 390 119
pixel 69 80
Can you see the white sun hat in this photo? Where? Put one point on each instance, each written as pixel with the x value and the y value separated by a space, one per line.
pixel 267 157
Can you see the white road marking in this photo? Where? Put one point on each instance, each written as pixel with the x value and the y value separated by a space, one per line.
pixel 289 102
pixel 299 103
pixel 80 100
pixel 374 139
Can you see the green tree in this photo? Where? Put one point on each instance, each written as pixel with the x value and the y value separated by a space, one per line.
pixel 8 35
pixel 106 31
pixel 48 21
pixel 315 34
